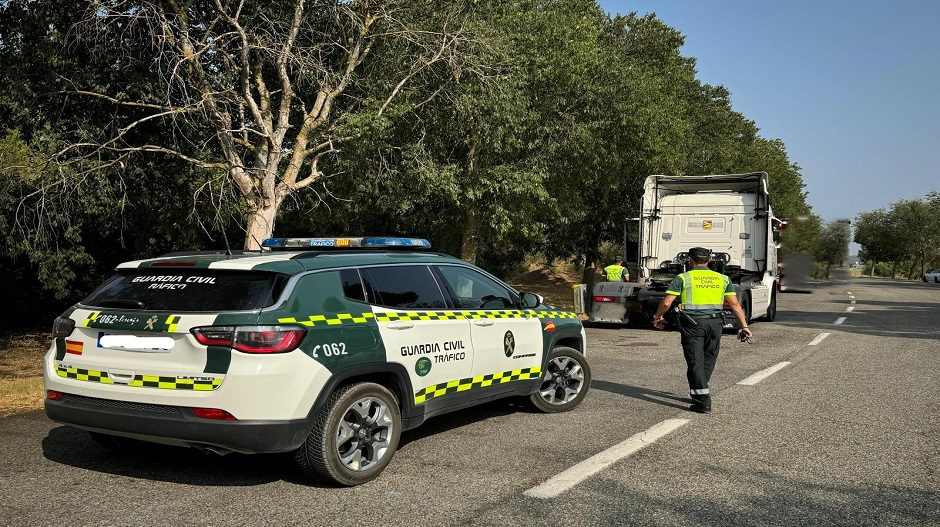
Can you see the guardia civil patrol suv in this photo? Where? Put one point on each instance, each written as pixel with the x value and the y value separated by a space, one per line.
pixel 327 347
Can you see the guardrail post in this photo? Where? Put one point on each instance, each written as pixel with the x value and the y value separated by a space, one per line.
pixel 579 291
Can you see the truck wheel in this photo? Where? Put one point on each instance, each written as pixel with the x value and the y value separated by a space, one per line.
pixel 354 437
pixel 565 381
pixel 772 308
pixel 746 306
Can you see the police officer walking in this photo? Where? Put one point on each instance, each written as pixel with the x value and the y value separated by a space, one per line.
pixel 616 272
pixel 702 293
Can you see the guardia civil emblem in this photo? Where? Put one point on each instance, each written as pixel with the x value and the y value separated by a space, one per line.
pixel 509 343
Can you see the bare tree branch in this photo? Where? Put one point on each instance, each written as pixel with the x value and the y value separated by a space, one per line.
pixel 217 62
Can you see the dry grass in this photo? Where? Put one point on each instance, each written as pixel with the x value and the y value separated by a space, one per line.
pixel 553 281
pixel 21 372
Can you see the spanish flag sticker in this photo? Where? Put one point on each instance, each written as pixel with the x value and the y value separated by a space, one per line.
pixel 74 347
pixel 550 326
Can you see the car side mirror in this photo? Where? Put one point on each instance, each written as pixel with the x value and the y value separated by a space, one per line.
pixel 531 300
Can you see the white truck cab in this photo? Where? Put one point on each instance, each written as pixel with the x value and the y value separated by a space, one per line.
pixel 728 214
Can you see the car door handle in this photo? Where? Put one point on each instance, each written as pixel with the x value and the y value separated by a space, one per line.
pixel 484 322
pixel 400 324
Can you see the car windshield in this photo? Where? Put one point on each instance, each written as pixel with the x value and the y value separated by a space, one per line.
pixel 191 291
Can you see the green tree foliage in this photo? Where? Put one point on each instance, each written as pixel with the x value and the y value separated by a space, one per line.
pixel 906 235
pixel 833 245
pixel 495 129
pixel 801 235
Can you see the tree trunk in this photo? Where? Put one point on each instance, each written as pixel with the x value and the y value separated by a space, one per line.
pixel 471 226
pixel 260 225
pixel 587 277
pixel 468 246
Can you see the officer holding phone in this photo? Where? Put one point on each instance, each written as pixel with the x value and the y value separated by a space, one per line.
pixel 702 293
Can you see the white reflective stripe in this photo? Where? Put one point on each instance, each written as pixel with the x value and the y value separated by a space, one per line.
pixel 703 391
pixel 686 307
pixel 686 288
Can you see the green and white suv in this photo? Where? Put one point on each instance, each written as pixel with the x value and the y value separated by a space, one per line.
pixel 328 347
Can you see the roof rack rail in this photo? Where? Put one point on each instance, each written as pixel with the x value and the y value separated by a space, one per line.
pixel 209 252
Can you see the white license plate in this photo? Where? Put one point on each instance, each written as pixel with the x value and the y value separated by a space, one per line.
pixel 136 343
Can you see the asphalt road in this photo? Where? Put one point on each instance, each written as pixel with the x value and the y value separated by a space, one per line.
pixel 846 433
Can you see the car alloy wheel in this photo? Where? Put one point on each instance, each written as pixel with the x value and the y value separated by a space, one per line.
pixel 565 381
pixel 354 436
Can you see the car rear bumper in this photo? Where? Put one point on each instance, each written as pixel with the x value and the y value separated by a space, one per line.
pixel 174 425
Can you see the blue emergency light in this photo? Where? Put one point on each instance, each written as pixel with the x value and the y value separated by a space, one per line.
pixel 373 242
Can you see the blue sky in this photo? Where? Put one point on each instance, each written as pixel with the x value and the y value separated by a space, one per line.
pixel 851 87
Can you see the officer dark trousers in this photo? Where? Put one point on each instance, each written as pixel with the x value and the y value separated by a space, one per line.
pixel 700 345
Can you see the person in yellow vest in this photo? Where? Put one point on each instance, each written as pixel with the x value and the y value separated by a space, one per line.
pixel 616 272
pixel 702 293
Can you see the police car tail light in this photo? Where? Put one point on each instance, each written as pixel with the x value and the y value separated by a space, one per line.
pixel 54 395
pixel 62 327
pixel 213 413
pixel 251 339
pixel 604 299
pixel 268 339
pixel 215 335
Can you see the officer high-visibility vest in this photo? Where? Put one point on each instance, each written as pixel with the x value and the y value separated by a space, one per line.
pixel 703 289
pixel 614 272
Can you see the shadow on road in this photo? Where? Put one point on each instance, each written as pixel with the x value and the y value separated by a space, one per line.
pixel 643 394
pixel 139 459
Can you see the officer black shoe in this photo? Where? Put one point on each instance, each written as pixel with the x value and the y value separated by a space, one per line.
pixel 700 409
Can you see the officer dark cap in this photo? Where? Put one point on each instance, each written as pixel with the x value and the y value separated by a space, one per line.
pixel 699 252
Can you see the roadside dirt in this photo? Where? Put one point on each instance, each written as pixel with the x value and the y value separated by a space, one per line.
pixel 21 372
pixel 555 282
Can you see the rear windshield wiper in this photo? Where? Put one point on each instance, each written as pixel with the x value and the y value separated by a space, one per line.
pixel 122 302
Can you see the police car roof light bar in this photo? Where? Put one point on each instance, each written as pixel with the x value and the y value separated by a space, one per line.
pixel 373 242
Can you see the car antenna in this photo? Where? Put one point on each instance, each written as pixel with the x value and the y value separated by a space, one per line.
pixel 228 248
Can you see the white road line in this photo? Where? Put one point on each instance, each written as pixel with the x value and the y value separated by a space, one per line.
pixel 852 302
pixel 839 320
pixel 848 292
pixel 821 337
pixel 849 309
pixel 763 374
pixel 587 468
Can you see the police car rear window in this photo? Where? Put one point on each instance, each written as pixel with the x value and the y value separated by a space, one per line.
pixel 194 291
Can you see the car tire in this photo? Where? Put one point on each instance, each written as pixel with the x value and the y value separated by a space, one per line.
pixel 936 279
pixel 746 306
pixel 565 381
pixel 772 307
pixel 354 436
